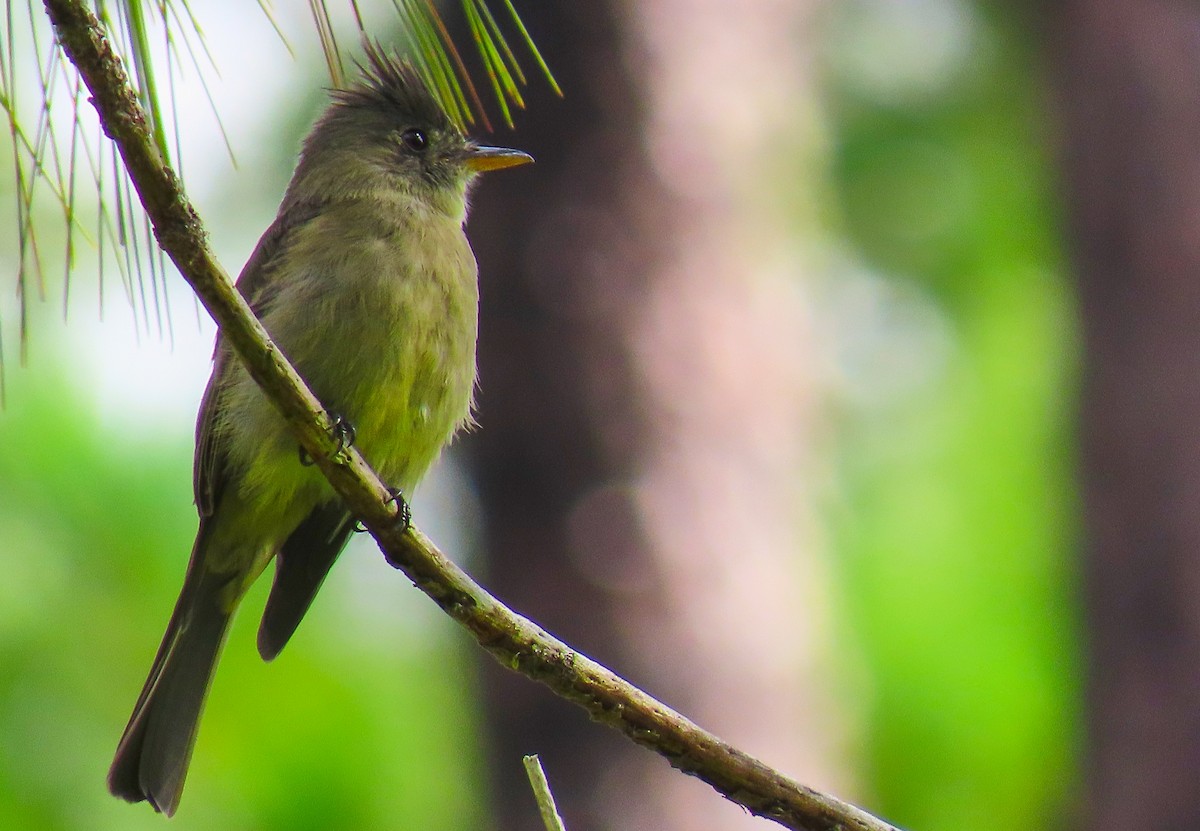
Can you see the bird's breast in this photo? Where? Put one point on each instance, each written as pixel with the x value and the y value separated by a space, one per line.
pixel 408 316
pixel 381 323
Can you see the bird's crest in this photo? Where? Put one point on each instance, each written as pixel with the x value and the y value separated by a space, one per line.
pixel 394 83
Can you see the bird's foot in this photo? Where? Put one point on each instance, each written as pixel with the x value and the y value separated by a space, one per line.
pixel 342 432
pixel 403 512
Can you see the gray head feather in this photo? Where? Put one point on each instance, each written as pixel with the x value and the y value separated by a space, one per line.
pixel 358 149
pixel 391 84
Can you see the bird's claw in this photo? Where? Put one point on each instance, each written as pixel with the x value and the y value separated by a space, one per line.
pixel 403 511
pixel 403 515
pixel 342 432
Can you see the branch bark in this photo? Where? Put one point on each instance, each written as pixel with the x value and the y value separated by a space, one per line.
pixel 513 640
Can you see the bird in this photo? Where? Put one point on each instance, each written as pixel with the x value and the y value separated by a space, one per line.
pixel 367 283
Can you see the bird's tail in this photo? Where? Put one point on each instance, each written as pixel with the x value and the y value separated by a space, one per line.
pixel 152 757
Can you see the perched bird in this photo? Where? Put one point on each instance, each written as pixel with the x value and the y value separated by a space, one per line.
pixel 367 283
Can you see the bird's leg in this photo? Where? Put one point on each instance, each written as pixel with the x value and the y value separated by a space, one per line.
pixel 342 432
pixel 403 516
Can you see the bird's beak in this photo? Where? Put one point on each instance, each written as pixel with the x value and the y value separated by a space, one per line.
pixel 483 158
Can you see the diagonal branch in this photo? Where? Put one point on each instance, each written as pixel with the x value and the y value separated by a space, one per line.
pixel 513 640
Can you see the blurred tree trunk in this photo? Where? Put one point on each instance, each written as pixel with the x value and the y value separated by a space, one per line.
pixel 1129 75
pixel 644 400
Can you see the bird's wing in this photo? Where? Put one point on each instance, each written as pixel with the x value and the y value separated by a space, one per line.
pixel 308 554
pixel 208 474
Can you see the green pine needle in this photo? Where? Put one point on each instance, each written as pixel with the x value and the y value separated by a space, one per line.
pixel 46 165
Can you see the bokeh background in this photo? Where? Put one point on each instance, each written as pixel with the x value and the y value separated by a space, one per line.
pixel 835 387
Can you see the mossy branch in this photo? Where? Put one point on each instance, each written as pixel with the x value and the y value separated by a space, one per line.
pixel 513 640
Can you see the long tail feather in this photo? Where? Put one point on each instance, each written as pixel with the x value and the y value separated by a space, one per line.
pixel 152 758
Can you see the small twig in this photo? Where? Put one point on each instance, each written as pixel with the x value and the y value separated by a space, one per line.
pixel 514 641
pixel 541 792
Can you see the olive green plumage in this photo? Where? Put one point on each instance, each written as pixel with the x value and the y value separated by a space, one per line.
pixel 366 282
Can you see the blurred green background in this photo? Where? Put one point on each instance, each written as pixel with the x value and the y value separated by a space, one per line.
pixel 957 523
pixel 950 505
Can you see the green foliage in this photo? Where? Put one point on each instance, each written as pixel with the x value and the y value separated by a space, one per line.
pixel 955 531
pixel 957 527
pixel 367 728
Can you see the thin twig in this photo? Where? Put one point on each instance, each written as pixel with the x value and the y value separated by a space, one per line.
pixel 542 794
pixel 516 642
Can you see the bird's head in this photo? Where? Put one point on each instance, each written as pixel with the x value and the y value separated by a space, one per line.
pixel 387 135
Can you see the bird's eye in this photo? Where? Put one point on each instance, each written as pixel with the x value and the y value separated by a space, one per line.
pixel 414 140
